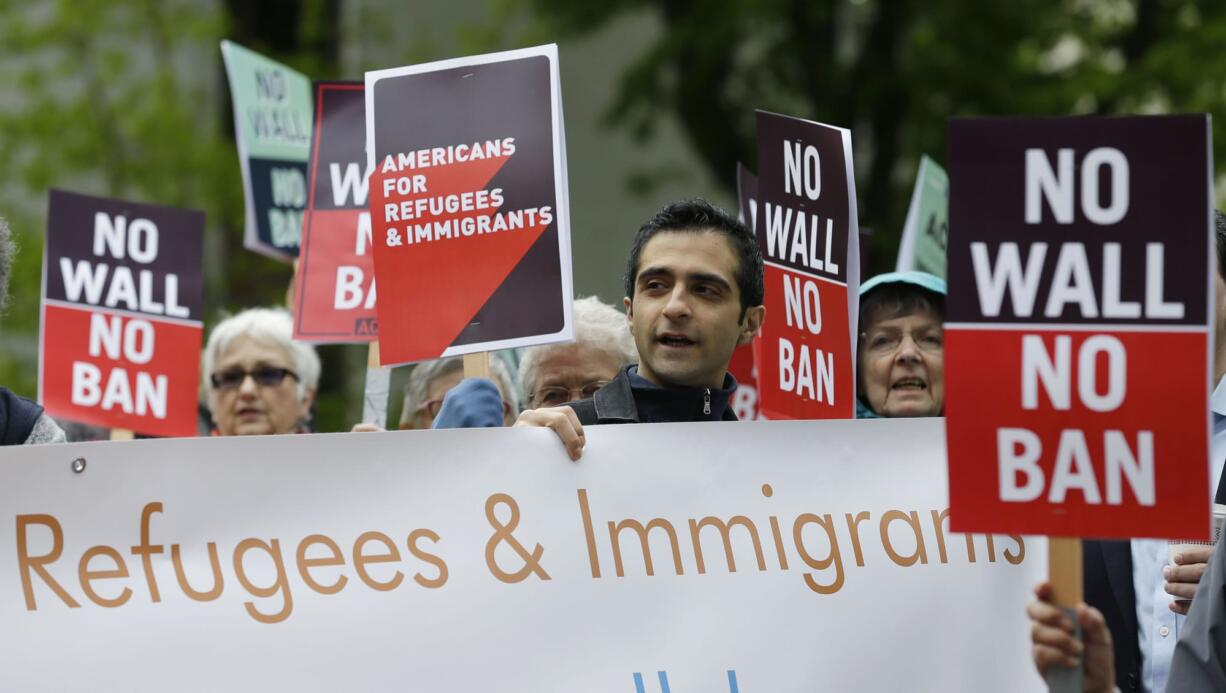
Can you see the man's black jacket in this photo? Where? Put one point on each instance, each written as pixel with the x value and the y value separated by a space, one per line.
pixel 618 403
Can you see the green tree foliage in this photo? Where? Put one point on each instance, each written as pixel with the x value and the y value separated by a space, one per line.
pixel 89 109
pixel 895 70
pixel 129 100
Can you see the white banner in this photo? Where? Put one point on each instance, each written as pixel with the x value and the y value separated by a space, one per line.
pixel 484 560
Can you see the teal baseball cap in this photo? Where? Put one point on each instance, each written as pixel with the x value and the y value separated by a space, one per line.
pixel 931 282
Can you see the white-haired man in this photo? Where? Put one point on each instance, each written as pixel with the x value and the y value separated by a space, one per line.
pixel 431 382
pixel 555 374
pixel 259 380
pixel 551 374
pixel 22 421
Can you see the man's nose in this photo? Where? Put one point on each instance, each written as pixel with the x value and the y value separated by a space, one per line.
pixel 678 305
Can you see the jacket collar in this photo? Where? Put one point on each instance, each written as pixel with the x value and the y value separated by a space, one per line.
pixel 615 402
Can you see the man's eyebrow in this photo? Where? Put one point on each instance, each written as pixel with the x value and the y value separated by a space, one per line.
pixel 652 272
pixel 710 278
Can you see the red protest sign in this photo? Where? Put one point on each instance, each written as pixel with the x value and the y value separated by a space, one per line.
pixel 335 297
pixel 807 228
pixel 745 400
pixel 743 366
pixel 1077 334
pixel 121 306
pixel 468 205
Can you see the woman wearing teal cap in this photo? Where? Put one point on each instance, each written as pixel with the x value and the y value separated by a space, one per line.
pixel 902 346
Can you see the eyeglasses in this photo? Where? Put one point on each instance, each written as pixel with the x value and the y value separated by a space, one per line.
pixel 432 407
pixel 264 376
pixel 555 396
pixel 889 341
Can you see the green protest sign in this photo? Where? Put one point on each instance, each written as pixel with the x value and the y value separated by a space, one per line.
pixel 923 235
pixel 272 124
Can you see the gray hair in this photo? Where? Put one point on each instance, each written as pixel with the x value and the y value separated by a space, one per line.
pixel 8 249
pixel 269 325
pixel 426 372
pixel 598 325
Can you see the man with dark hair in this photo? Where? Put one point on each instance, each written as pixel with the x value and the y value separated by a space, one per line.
pixel 693 294
pixel 22 422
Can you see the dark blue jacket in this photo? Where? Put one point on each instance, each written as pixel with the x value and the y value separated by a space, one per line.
pixel 629 398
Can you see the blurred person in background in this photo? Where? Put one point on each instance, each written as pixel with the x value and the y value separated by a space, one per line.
pixel 555 374
pixel 22 421
pixel 487 402
pixel 258 379
pixel 551 374
pixel 901 368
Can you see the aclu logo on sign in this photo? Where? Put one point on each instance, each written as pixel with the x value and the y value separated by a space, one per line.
pixel 363 326
pixel 662 676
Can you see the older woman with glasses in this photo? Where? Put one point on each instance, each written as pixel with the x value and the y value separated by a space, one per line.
pixel 902 346
pixel 259 380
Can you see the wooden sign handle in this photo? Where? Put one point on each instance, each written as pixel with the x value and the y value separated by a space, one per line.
pixel 477 365
pixel 378 384
pixel 1064 572
pixel 372 355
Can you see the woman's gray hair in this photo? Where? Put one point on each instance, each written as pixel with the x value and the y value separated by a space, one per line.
pixel 8 249
pixel 426 372
pixel 268 325
pixel 597 325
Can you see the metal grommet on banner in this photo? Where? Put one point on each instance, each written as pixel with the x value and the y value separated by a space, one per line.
pixel 78 465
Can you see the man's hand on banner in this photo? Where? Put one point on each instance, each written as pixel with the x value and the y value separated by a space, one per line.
pixel 1051 634
pixel 1183 577
pixel 563 421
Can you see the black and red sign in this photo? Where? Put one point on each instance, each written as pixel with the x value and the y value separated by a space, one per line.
pixel 468 205
pixel 807 228
pixel 1077 335
pixel 742 366
pixel 121 314
pixel 335 299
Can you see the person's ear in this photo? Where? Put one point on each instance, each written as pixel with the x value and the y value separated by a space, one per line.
pixel 754 317
pixel 629 313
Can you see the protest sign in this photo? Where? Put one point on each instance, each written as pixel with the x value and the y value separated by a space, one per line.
pixel 339 562
pixel 743 366
pixel 1077 334
pixel 272 126
pixel 923 234
pixel 121 314
pixel 809 235
pixel 335 301
pixel 744 401
pixel 468 202
pixel 747 196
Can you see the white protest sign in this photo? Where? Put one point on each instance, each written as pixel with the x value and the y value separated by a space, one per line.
pixel 484 560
